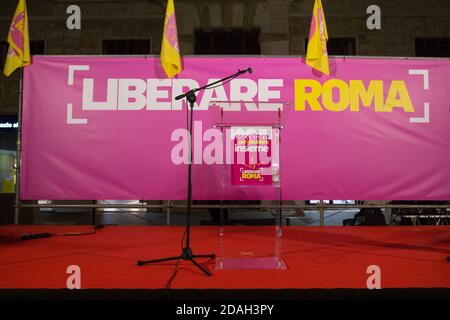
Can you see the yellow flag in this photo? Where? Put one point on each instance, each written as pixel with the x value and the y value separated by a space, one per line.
pixel 19 41
pixel 317 55
pixel 170 51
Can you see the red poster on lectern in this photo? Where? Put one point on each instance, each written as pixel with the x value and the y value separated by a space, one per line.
pixel 252 151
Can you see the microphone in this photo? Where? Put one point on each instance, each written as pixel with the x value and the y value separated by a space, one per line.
pixel 249 70
pixel 191 92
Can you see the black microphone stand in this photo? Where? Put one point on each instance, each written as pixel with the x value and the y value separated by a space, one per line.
pixel 186 253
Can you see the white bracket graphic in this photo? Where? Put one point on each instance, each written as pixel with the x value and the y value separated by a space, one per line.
pixel 426 115
pixel 72 70
pixel 70 81
pixel 426 86
pixel 70 119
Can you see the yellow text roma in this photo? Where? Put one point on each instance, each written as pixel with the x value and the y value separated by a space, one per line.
pixel 354 94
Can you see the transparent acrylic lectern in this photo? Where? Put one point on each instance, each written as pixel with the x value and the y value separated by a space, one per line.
pixel 251 136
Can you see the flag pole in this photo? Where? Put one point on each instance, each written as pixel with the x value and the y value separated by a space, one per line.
pixel 18 149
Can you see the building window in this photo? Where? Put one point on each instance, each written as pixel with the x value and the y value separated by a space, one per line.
pixel 126 46
pixel 227 41
pixel 36 47
pixel 433 47
pixel 339 46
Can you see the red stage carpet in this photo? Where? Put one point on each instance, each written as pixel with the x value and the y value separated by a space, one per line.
pixel 332 257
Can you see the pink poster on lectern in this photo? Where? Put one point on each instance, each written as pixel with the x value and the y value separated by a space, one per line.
pixel 109 128
pixel 252 165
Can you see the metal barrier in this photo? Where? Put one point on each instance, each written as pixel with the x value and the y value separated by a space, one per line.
pixel 169 206
pixel 438 218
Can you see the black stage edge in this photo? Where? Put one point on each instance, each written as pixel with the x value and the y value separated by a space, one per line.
pixel 226 294
pixel 225 304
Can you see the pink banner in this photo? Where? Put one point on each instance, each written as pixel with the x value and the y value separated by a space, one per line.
pixel 109 128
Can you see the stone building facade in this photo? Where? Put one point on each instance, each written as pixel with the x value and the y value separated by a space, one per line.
pixel 283 26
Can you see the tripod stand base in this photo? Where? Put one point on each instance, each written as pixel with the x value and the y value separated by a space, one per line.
pixel 186 254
